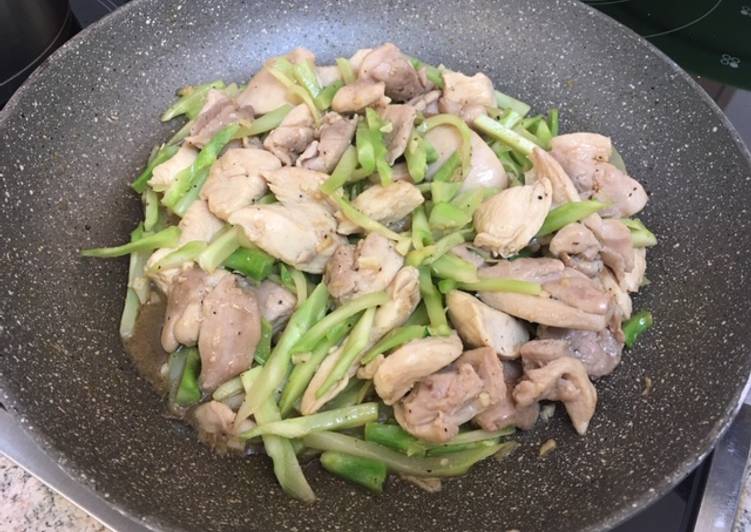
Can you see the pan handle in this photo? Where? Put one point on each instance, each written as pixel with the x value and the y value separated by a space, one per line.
pixel 19 447
pixel 719 503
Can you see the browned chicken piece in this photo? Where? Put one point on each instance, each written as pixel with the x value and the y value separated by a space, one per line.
pixel 292 136
pixel 367 267
pixel 182 320
pixel 276 304
pixel 218 111
pixel 599 351
pixel 584 157
pixel 413 361
pixel 578 248
pixel 389 65
pixel 506 413
pixel 264 92
pixel 230 331
pixel 563 379
pixel 335 136
pixel 466 96
pixel 359 95
pixel 402 119
pixel 443 401
pixel 570 299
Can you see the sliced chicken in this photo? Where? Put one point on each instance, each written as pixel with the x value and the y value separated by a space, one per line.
pixel 389 65
pixel 385 204
pixel 276 304
pixel 165 174
pixel 537 353
pixel 584 157
pixel 230 331
pixel 402 119
pixel 466 96
pixel 404 294
pixel 357 58
pixel 359 95
pixel 427 103
pixel 443 401
pixel 481 325
pixel 617 247
pixel 215 424
pixel 506 222
pixel 335 136
pixel 328 74
pixel 578 248
pixel 264 92
pixel 563 379
pixel 309 403
pixel 308 230
pixel 293 135
pixel 485 169
pixel 235 180
pixel 544 165
pixel 537 270
pixel 198 223
pixel 620 296
pixel 182 318
pixel 294 186
pixel 218 111
pixel 633 280
pixel 506 413
pixel 599 351
pixel 579 291
pixel 466 253
pixel 543 310
pixel 368 267
pixel 413 361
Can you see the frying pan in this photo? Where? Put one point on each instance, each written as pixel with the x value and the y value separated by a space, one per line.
pixel 78 131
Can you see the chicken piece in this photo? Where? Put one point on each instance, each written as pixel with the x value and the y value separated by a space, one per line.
pixel 537 270
pixel 506 222
pixel 310 404
pixel 617 247
pixel 276 304
pixel 359 95
pixel 633 280
pixel 389 65
pixel 160 277
pixel 165 174
pixel 198 223
pixel 294 186
pixel 620 296
pixel 235 180
pixel 292 136
pixel 413 361
pixel 328 74
pixel 230 331
pixel 485 170
pixel 215 424
pixel 357 58
pixel 466 96
pixel 182 318
pixel 599 351
pixel 578 248
pixel 536 353
pixel 404 296
pixel 385 204
pixel 506 413
pixel 466 253
pixel 335 136
pixel 402 119
pixel 218 111
pixel 584 157
pixel 443 401
pixel 544 310
pixel 563 379
pixel 481 325
pixel 308 233
pixel 427 103
pixel 264 92
pixel 544 165
pixel 357 270
pixel 579 291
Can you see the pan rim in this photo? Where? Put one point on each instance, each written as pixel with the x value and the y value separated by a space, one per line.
pixel 639 502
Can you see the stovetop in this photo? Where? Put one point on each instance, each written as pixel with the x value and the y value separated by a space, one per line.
pixel 707 498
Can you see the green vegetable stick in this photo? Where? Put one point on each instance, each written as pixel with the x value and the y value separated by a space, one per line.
pixel 635 326
pixel 447 170
pixel 421 235
pixel 187 252
pixel 370 474
pixel 418 317
pixel 395 338
pixel 445 216
pixel 433 252
pixel 358 218
pixel 568 213
pixel 640 235
pixel 184 203
pixel 326 96
pixel 508 102
pixel 251 262
pixel 150 209
pixel 132 304
pixel 342 172
pixel 165 154
pixel 306 76
pixel 267 122
pixel 188 391
pixel 345 69
pixel 166 238
pixel 502 284
pixel 395 437
pixel 465 150
pixel 228 389
pixel 449 266
pixel 444 466
pixel 314 335
pixel 263 349
pixel 191 101
pixel 353 346
pixel 302 373
pixel 223 245
pixel 443 192
pixel 416 156
pixel 553 121
pixel 508 136
pixel 434 305
pixel 365 148
pixel 278 364
pixel 296 427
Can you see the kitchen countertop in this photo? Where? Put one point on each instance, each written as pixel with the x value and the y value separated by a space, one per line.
pixel 28 505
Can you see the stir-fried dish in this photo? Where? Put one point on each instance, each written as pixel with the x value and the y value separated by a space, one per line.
pixel 384 264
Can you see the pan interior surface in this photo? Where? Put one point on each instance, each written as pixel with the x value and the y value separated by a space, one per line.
pixel 80 130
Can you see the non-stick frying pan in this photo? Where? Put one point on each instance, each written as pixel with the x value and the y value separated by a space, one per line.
pixel 78 131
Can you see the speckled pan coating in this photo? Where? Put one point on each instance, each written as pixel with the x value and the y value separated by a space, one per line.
pixel 83 125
